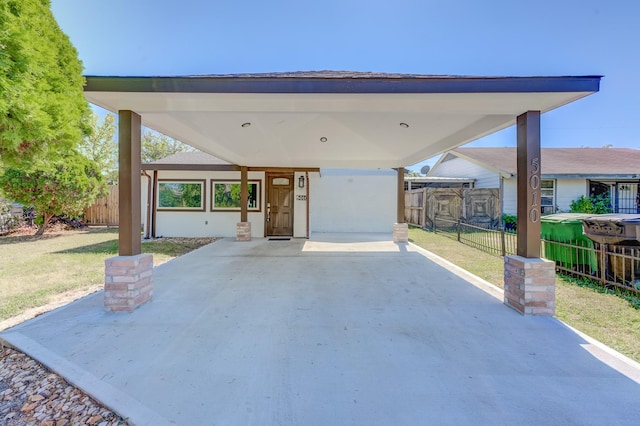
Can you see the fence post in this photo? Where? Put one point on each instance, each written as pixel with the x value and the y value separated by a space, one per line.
pixel 458 229
pixel 433 224
pixel 503 249
pixel 603 264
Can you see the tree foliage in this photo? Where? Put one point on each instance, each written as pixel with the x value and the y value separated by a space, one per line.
pixel 101 147
pixel 43 112
pixel 156 146
pixel 68 186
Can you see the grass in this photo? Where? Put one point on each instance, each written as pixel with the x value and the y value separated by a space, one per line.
pixel 33 271
pixel 603 315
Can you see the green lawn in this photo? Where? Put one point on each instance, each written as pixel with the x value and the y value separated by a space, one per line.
pixel 605 317
pixel 33 271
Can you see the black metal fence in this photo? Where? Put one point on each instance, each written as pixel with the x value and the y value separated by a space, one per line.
pixel 609 264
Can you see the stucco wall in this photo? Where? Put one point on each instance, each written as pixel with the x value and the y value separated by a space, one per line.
pixel 207 223
pixel 340 201
pixel 353 200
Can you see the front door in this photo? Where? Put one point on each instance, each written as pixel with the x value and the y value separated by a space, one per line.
pixel 279 215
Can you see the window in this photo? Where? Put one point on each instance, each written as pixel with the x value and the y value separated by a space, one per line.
pixel 181 195
pixel 547 196
pixel 225 195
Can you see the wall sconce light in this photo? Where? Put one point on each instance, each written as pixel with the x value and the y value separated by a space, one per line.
pixel 301 182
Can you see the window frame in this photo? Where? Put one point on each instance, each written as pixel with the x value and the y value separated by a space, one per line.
pixel 553 190
pixel 256 183
pixel 203 192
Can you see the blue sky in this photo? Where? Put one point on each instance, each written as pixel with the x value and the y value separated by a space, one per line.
pixel 465 37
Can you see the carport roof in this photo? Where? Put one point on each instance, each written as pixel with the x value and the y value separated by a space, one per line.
pixel 332 118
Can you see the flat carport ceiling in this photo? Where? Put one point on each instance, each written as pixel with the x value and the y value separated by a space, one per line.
pixel 368 120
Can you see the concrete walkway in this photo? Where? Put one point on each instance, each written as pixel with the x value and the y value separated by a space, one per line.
pixel 337 330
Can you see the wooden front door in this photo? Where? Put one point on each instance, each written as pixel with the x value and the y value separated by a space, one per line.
pixel 279 215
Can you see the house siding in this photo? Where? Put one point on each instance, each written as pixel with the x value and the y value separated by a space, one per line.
pixel 509 197
pixel 568 190
pixel 459 167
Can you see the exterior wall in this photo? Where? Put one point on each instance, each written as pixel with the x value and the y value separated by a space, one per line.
pixel 340 201
pixel 459 167
pixel 567 190
pixel 509 197
pixel 300 206
pixel 207 223
pixel 353 200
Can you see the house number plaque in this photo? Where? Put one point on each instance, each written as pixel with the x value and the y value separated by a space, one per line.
pixel 534 185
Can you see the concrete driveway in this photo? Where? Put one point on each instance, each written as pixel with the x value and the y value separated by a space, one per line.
pixel 337 330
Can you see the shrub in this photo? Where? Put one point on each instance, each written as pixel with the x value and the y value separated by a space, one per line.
pixel 510 222
pixel 598 204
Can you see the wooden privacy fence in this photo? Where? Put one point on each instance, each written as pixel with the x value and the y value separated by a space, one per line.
pixel 104 211
pixel 479 206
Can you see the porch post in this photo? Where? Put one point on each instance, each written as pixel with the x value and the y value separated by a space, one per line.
pixel 129 184
pixel 528 184
pixel 400 228
pixel 128 277
pixel 529 285
pixel 243 228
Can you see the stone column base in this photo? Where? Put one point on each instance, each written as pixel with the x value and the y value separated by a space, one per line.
pixel 530 285
pixel 127 282
pixel 243 231
pixel 400 232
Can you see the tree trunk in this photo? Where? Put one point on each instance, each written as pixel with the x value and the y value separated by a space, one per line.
pixel 46 217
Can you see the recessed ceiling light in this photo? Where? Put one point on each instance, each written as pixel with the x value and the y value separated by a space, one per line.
pixel 405 125
pixel 323 139
pixel 247 124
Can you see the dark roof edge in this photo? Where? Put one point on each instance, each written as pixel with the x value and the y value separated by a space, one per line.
pixel 349 83
pixel 195 167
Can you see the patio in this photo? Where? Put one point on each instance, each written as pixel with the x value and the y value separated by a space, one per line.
pixel 339 329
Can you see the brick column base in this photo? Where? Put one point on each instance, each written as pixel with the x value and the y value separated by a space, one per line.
pixel 530 285
pixel 127 282
pixel 243 231
pixel 400 232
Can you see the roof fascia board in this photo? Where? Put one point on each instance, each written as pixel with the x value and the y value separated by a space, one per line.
pixel 591 176
pixel 222 84
pixel 194 167
pixel 283 169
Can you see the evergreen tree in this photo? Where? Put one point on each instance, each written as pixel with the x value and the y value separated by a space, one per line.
pixel 43 112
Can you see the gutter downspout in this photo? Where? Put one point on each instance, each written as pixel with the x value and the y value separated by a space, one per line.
pixel 501 199
pixel 307 179
pixel 146 231
pixel 154 204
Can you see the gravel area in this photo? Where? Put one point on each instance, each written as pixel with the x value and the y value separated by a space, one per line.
pixel 32 395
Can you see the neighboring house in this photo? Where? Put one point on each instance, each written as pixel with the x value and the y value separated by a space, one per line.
pixel 566 174
pixel 194 194
pixel 15 209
